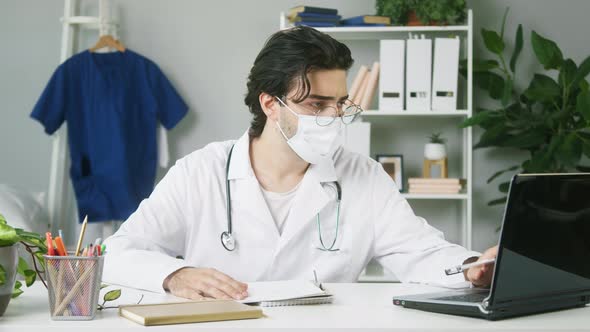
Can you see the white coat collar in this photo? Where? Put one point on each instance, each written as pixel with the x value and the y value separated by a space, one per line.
pixel 241 167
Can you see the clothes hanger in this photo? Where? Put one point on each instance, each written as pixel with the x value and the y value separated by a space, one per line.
pixel 108 41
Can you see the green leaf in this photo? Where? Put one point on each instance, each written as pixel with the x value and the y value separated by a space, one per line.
pixel 481 117
pixel 2 219
pixel 507 92
pixel 17 291
pixel 103 286
pixel 484 65
pixel 22 266
pixel 583 169
pixel 566 73
pixel 504 22
pixel 497 201
pixel 2 275
pixel 539 163
pixel 517 47
pixel 547 52
pixel 583 104
pixel 570 151
pixel 490 81
pixel 492 41
pixel 8 235
pixel 543 89
pixel 112 295
pixel 586 149
pixel 30 277
pixel 497 174
pixel 582 72
pixel 504 186
pixel 529 139
pixel 492 136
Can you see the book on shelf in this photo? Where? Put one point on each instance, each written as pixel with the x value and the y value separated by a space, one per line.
pixel 436 181
pixel 361 92
pixel 356 83
pixel 313 17
pixel 436 186
pixel 366 20
pixel 316 24
pixel 433 191
pixel 369 92
pixel 309 9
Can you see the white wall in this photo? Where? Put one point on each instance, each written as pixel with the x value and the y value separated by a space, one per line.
pixel 207 48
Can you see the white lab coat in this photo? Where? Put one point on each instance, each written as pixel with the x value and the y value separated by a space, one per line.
pixel 186 214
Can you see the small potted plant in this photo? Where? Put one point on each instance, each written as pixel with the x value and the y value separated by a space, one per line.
pixel 422 12
pixel 436 149
pixel 11 264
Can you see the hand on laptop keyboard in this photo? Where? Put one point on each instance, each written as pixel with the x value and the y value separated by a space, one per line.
pixel 481 276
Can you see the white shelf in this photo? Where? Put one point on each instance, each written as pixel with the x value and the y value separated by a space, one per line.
pixel 378 113
pixel 460 196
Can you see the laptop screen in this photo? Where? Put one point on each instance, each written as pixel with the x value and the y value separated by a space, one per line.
pixel 545 241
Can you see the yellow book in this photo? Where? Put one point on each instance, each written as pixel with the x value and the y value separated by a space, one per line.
pixel 188 312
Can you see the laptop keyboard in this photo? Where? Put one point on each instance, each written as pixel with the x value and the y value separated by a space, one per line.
pixel 472 297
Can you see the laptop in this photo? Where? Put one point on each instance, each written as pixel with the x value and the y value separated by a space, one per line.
pixel 543 261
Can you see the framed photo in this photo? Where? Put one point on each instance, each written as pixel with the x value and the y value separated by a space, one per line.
pixel 393 164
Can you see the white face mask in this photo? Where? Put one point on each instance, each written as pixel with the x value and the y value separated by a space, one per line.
pixel 312 142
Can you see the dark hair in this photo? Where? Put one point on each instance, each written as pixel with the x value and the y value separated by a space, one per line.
pixel 285 60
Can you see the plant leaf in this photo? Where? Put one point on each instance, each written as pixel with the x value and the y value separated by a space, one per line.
pixel 2 219
pixel 2 275
pixel 481 117
pixel 30 277
pixel 493 41
pixel 497 201
pixel 507 92
pixel 497 174
pixel 504 186
pixel 112 295
pixel 583 104
pixel 542 88
pixel 490 81
pixel 17 289
pixel 517 47
pixel 566 73
pixel 570 150
pixel 8 235
pixel 484 65
pixel 547 52
pixel 582 72
pixel 504 22
pixel 529 139
pixel 103 286
pixel 492 136
pixel 539 163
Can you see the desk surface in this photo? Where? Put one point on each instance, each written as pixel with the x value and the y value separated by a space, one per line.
pixel 355 306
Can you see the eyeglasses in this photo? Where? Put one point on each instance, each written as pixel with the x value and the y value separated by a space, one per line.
pixel 347 111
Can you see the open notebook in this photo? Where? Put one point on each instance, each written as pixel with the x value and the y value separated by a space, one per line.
pixel 285 293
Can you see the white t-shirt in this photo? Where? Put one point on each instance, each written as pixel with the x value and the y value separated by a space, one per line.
pixel 279 205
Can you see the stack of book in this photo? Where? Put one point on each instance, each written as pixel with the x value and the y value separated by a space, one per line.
pixel 435 186
pixel 366 21
pixel 364 85
pixel 314 16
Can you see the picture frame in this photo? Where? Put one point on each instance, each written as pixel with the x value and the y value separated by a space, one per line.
pixel 393 164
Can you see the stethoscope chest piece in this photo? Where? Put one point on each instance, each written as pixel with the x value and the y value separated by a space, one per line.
pixel 228 241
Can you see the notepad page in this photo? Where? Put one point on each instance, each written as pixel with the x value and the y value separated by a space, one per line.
pixel 281 290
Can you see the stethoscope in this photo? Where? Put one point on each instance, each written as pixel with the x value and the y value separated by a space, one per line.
pixel 229 242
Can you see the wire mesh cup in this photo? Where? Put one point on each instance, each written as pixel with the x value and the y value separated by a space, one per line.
pixel 74 286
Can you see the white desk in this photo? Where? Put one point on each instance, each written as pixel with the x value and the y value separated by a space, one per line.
pixel 355 306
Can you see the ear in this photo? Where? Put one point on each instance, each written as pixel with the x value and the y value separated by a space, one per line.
pixel 270 106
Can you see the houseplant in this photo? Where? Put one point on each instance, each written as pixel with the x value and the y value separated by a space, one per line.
pixel 549 120
pixel 435 149
pixel 11 264
pixel 422 12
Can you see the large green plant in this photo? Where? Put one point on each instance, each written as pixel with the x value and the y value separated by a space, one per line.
pixel 441 11
pixel 549 120
pixel 33 244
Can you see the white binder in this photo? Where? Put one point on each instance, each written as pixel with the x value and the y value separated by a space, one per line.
pixel 418 74
pixel 445 75
pixel 391 75
pixel 357 137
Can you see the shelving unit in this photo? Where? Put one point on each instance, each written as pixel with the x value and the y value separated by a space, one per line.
pixel 385 118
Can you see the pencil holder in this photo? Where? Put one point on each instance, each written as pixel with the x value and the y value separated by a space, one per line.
pixel 74 286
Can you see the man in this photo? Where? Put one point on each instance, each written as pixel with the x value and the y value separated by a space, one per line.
pixel 284 201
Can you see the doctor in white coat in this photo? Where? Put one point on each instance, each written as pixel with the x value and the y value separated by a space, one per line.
pixel 285 199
